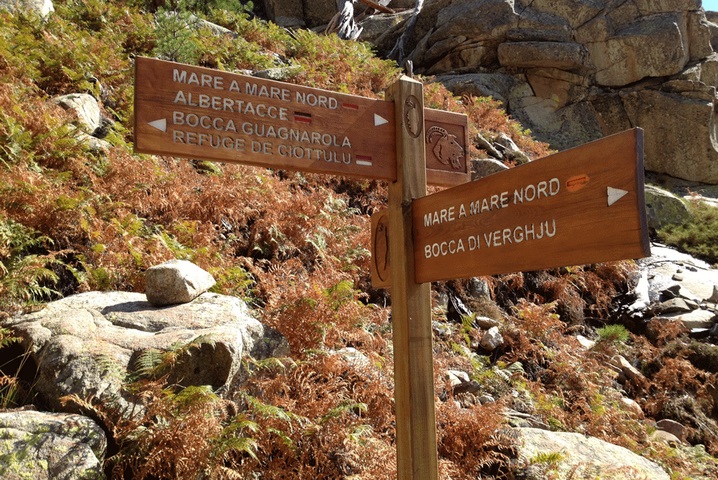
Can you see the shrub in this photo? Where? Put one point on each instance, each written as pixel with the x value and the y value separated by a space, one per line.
pixel 698 236
pixel 613 334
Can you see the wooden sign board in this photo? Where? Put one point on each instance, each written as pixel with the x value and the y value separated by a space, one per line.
pixel 584 205
pixel 196 112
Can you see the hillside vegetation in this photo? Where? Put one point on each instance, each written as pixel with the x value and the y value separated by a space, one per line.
pixel 295 246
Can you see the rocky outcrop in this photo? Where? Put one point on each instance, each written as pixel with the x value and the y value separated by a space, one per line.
pixel 87 344
pixel 677 288
pixel 47 446
pixel 576 70
pixel 318 13
pixel 300 13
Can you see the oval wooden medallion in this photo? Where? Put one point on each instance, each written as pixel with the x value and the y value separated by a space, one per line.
pixel 413 116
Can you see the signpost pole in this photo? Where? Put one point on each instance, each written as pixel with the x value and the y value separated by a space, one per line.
pixel 411 302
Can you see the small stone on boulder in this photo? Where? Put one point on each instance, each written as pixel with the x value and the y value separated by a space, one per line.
pixel 176 281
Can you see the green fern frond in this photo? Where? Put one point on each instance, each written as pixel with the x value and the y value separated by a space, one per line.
pixel 228 444
pixel 238 424
pixel 194 396
pixel 7 338
pixel 153 363
pixel 270 363
pixel 148 363
pixel 286 439
pixel 341 409
pixel 266 410
pixel 111 368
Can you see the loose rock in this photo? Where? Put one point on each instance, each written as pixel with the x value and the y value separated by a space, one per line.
pixel 176 281
pixel 492 339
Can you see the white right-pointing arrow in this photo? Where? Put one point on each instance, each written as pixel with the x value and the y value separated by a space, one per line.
pixel 160 124
pixel 379 120
pixel 615 194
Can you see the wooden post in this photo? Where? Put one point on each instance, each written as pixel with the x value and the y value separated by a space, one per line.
pixel 410 302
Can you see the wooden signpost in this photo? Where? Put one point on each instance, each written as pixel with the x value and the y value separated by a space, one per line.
pixel 410 301
pixel 196 112
pixel 584 205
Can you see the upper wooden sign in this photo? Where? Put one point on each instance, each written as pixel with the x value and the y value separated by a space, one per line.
pixel 580 206
pixel 196 112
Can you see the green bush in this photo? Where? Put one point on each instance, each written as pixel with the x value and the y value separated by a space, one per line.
pixel 613 334
pixel 697 237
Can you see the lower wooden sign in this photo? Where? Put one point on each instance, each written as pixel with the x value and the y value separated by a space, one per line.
pixel 583 205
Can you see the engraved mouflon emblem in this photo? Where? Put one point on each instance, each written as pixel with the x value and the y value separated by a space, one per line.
pixel 413 116
pixel 445 147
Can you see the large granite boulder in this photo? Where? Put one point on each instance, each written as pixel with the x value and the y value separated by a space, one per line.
pixel 49 446
pixel 577 70
pixel 564 455
pixel 300 13
pixel 87 344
